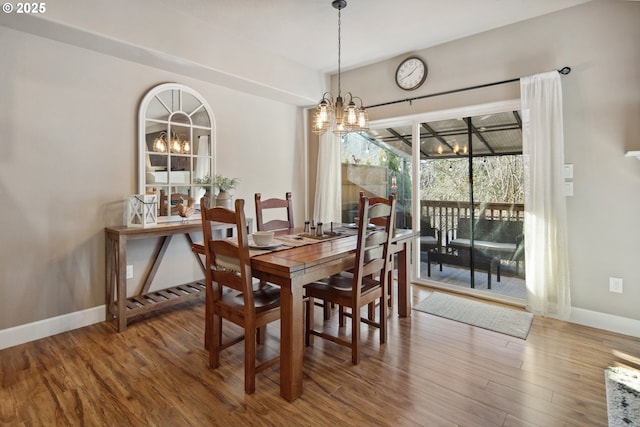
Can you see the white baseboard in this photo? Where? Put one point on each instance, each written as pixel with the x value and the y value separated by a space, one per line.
pixel 608 322
pixel 52 326
pixel 580 316
pixel 67 322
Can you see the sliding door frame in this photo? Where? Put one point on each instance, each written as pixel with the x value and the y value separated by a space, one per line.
pixel 415 120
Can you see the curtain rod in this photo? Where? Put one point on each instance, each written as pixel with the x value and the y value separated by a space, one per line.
pixel 564 71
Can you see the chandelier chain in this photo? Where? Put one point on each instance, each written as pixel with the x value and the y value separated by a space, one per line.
pixel 339 47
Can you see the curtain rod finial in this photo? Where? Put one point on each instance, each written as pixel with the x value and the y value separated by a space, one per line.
pixel 564 70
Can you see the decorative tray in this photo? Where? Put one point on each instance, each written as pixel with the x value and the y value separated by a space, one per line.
pixel 325 236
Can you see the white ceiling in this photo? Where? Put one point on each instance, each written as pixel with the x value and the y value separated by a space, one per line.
pixel 305 31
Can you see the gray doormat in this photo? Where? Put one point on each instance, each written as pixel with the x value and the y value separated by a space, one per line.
pixel 488 316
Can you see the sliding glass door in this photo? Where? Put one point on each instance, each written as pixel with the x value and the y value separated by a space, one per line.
pixel 471 203
pixel 468 200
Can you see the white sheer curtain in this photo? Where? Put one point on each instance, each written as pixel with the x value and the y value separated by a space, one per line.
pixel 546 243
pixel 327 206
pixel 202 168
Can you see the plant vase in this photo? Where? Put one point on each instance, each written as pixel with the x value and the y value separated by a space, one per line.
pixel 224 199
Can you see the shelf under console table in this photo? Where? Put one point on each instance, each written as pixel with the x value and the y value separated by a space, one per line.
pixel 121 308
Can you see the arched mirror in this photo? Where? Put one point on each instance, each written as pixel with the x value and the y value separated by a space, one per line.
pixel 176 147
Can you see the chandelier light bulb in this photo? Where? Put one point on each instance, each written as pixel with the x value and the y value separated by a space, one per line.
pixel 175 145
pixel 352 117
pixel 363 119
pixel 160 144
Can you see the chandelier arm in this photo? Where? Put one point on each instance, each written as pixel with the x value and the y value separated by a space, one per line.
pixel 327 97
pixel 358 98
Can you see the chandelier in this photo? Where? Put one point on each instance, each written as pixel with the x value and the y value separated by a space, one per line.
pixel 334 113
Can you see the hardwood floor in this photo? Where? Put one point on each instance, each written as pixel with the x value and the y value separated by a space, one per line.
pixel 431 372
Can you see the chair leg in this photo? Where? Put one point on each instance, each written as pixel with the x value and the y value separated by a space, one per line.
pixel 250 361
pixel 308 338
pixel 383 320
pixel 261 334
pixel 340 316
pixel 208 317
pixel 390 290
pixel 215 341
pixel 371 311
pixel 355 335
pixel 326 310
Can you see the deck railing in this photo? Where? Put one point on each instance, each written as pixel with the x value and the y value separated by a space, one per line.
pixel 446 215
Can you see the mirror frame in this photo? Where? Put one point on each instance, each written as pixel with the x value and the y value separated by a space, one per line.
pixel 165 125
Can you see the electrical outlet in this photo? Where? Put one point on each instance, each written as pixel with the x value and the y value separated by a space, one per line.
pixel 129 271
pixel 615 284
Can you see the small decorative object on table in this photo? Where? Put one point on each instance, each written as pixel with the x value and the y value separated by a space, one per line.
pixel 318 232
pixel 225 184
pixel 185 211
pixel 263 238
pixel 206 185
pixel 142 210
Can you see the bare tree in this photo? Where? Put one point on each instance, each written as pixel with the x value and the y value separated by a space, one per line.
pixel 495 179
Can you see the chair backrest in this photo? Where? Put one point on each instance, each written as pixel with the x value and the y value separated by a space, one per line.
pixel 274 224
pixel 492 230
pixel 372 253
pixel 228 262
pixel 425 226
pixel 204 201
pixel 379 221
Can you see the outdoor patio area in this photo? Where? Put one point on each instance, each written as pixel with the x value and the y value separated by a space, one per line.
pixel 509 285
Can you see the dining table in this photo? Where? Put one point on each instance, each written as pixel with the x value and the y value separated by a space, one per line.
pixel 292 266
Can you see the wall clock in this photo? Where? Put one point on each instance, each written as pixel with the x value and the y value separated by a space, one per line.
pixel 411 73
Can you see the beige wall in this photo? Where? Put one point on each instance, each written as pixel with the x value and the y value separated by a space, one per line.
pixel 599 41
pixel 139 31
pixel 68 120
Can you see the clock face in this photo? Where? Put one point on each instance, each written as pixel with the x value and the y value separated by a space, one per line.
pixel 411 73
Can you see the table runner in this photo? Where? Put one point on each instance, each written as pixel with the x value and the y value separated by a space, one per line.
pixel 295 240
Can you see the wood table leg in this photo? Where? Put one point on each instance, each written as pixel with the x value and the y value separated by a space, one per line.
pixel 291 341
pixel 110 252
pixel 121 284
pixel 404 279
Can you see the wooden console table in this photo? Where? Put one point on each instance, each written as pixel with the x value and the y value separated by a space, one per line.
pixel 119 307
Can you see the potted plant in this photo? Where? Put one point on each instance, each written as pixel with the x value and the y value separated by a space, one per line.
pixel 224 184
pixel 206 185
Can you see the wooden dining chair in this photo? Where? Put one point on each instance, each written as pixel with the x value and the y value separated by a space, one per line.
pixel 276 204
pixel 380 222
pixel 230 292
pixel 367 283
